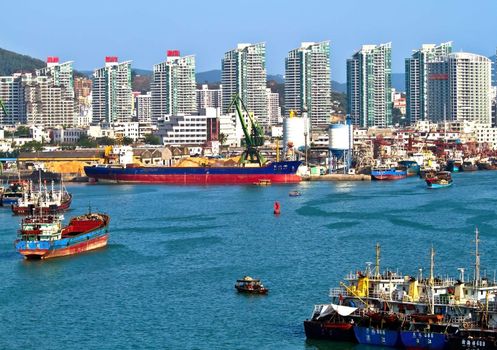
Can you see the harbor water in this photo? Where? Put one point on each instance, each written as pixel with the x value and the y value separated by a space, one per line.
pixel 166 279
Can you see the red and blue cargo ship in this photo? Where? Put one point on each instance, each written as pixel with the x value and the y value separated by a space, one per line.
pixel 276 172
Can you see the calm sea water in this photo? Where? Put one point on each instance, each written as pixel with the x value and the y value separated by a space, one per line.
pixel 166 279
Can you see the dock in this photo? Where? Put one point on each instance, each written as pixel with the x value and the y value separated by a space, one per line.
pixel 337 177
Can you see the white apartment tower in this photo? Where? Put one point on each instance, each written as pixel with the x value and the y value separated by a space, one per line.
pixel 143 104
pixel 459 89
pixel 209 98
pixel 308 82
pixel 173 86
pixel 112 97
pixel 273 107
pixel 416 69
pixel 369 82
pixel 244 73
pixel 12 96
pixel 61 73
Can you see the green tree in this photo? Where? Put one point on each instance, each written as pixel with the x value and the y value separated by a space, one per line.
pixel 31 146
pixel 87 142
pixel 106 141
pixel 127 141
pixel 22 131
pixel 151 139
pixel 222 138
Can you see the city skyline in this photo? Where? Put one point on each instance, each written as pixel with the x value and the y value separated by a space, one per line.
pixel 280 25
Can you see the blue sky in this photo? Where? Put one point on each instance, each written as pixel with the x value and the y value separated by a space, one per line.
pixel 142 31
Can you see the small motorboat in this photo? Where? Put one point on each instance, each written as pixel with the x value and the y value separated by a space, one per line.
pixel 294 194
pixel 250 285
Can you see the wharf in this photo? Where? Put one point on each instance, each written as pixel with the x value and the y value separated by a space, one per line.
pixel 337 177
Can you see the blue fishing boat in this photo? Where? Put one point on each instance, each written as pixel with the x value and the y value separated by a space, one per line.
pixel 454 165
pixel 377 336
pixel 382 173
pixel 416 339
pixel 412 167
pixel 11 195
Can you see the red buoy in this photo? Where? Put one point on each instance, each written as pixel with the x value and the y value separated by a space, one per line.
pixel 277 208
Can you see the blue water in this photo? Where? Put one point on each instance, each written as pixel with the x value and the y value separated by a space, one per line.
pixel 166 279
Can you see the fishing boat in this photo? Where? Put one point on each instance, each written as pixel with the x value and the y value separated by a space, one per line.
pixel 386 173
pixel 473 339
pixel 487 164
pixel 469 165
pixel 440 180
pixel 294 194
pixel 250 285
pixel 11 195
pixel 42 236
pixel 454 165
pixel 53 201
pixel 412 167
pixel 331 322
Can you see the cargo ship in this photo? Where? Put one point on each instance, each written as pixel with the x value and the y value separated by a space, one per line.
pixel 43 236
pixel 276 172
pixel 251 166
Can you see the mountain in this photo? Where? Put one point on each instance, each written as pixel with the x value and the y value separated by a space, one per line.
pixel 338 87
pixel 11 62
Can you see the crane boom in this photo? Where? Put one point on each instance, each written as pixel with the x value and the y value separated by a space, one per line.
pixel 253 137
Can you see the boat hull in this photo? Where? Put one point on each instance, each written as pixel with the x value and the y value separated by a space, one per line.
pixel 436 185
pixel 471 342
pixel 388 175
pixel 18 210
pixel 423 340
pixel 63 247
pixel 373 336
pixel 278 172
pixel 329 331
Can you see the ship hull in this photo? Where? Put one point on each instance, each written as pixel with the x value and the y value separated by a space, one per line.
pixel 17 210
pixel 279 172
pixel 63 247
pixel 388 175
pixel 329 331
pixel 416 340
pixel 373 336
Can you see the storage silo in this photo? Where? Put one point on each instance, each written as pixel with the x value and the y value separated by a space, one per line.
pixel 295 132
pixel 340 146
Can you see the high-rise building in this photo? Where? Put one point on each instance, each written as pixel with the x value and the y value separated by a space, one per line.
pixel 459 88
pixel 62 75
pixel 307 82
pixel 12 96
pixel 209 98
pixel 47 103
pixel 244 73
pixel 369 81
pixel 173 86
pixel 142 106
pixel 273 107
pixel 112 98
pixel 416 69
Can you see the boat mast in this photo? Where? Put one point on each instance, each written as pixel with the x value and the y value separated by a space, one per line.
pixel 377 261
pixel 431 282
pixel 477 258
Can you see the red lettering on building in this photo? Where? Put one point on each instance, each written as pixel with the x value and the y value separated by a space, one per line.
pixel 110 59
pixel 172 53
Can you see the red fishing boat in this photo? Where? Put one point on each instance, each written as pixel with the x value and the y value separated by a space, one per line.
pixel 49 200
pixel 250 285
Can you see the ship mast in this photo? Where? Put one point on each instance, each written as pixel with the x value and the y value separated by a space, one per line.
pixel 431 282
pixel 477 258
pixel 377 261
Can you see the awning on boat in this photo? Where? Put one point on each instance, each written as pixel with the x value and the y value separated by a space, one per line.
pixel 343 310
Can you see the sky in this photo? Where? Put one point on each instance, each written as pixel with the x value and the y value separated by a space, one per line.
pixel 142 31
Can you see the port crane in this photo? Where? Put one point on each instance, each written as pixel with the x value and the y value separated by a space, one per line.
pixel 254 137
